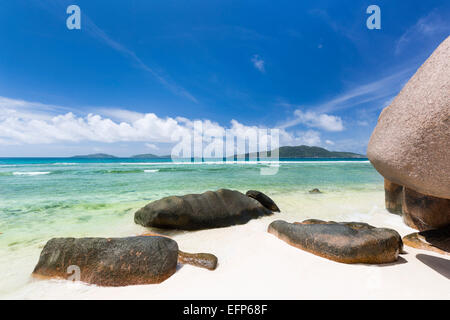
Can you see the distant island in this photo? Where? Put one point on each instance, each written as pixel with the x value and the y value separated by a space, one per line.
pixel 94 156
pixel 308 152
pixel 314 152
pixel 149 156
pixel 284 152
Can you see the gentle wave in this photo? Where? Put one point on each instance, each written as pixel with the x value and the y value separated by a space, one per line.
pixel 151 170
pixel 64 164
pixel 32 173
pixel 119 171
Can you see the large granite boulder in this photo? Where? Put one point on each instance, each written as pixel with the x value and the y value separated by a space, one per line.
pixel 109 261
pixel 212 209
pixel 410 145
pixel 347 242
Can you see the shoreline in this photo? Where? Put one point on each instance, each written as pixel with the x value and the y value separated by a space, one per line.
pixel 254 264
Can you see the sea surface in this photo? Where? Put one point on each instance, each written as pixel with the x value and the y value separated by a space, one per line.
pixel 41 198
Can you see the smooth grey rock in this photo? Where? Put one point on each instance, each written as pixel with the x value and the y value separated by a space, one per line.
pixel 347 242
pixel 110 261
pixel 212 209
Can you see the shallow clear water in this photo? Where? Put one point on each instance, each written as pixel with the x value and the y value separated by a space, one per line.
pixel 45 198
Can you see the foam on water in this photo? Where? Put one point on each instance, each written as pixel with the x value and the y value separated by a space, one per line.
pixel 30 173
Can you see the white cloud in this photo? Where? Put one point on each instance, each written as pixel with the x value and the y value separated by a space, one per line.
pixel 316 120
pixel 31 123
pixel 362 123
pixel 258 63
pixel 37 127
pixel 310 137
pixel 120 114
pixel 329 142
pixel 152 146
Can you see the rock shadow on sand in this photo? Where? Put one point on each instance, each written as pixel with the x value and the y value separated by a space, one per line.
pixel 440 265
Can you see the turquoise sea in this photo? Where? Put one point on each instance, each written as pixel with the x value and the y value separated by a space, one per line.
pixel 41 198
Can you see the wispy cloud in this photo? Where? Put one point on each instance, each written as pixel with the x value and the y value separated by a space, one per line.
pixel 362 123
pixel 258 63
pixel 315 120
pixel 57 8
pixel 152 146
pixel 379 90
pixel 99 34
pixel 337 26
pixel 434 24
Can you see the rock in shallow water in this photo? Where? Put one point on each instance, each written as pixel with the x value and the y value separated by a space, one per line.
pixel 349 242
pixel 263 199
pixel 110 261
pixel 212 209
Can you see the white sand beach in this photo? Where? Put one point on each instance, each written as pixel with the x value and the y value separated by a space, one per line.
pixel 254 264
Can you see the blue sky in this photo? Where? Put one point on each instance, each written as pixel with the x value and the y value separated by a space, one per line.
pixel 138 71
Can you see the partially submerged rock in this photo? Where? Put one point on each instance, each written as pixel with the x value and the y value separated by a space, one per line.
pixel 410 145
pixel 212 209
pixel 434 240
pixel 349 242
pixel 202 260
pixel 263 199
pixel 109 261
pixel 314 191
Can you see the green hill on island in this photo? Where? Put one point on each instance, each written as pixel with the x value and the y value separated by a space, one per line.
pixel 149 156
pixel 310 152
pixel 95 156
pixel 145 156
